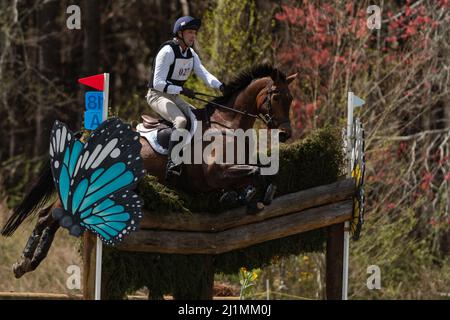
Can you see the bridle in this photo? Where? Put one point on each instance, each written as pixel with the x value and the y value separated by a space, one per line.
pixel 268 118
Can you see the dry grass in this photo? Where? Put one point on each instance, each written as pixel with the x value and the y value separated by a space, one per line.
pixel 50 276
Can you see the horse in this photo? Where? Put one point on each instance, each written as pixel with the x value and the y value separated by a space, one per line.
pixel 260 92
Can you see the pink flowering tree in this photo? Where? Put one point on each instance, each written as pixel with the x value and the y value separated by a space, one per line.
pixel 402 72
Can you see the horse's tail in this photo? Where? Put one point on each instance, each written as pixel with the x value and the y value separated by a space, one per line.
pixel 39 194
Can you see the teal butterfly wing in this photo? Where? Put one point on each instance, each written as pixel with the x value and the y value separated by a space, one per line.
pixel 114 218
pixel 97 179
pixel 65 150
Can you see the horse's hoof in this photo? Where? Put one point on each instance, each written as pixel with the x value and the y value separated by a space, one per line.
pixel 229 197
pixel 247 195
pixel 270 192
pixel 254 207
pixel 171 176
pixel 20 268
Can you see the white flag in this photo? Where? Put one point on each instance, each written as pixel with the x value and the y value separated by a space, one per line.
pixel 357 101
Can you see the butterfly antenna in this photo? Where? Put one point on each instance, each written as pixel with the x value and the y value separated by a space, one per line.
pixel 38 195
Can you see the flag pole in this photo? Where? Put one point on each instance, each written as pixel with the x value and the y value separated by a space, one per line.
pixel 352 102
pixel 105 96
pixel 98 269
pixel 99 249
pixel 350 108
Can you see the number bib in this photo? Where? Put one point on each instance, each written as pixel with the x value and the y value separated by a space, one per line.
pixel 182 69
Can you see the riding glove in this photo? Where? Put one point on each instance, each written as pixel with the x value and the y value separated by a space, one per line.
pixel 188 93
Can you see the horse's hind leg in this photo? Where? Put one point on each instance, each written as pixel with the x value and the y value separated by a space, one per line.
pixel 24 265
pixel 44 220
pixel 44 245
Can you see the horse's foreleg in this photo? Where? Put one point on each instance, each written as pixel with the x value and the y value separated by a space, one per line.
pixel 248 176
pixel 269 188
pixel 236 177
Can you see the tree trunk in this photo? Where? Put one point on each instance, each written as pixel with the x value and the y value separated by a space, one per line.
pixel 91 31
pixel 49 61
pixel 184 7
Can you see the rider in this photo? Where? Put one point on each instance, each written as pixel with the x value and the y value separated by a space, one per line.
pixel 174 62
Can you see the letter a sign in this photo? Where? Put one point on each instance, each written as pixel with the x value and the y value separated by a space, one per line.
pixel 96 102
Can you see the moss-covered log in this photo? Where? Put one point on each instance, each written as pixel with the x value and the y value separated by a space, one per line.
pixel 314 161
pixel 289 203
pixel 170 241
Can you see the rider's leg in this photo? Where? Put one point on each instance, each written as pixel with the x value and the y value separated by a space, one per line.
pixel 165 105
pixel 183 105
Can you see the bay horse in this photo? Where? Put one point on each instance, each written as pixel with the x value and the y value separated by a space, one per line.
pixel 262 90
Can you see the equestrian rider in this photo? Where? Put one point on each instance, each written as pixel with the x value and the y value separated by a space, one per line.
pixel 174 62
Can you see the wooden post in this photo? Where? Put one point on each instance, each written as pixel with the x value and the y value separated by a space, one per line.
pixel 89 241
pixel 207 289
pixel 204 288
pixel 334 261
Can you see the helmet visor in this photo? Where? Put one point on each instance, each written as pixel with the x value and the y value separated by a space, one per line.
pixel 194 24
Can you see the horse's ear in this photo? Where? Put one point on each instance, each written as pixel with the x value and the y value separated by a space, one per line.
pixel 291 78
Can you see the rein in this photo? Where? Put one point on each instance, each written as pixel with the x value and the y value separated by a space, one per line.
pixel 266 118
pixel 226 108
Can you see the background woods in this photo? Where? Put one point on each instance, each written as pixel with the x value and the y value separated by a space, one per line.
pixel 401 70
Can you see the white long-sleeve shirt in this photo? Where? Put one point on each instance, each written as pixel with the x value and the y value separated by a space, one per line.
pixel 165 58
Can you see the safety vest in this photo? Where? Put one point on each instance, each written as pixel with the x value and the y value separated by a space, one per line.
pixel 179 70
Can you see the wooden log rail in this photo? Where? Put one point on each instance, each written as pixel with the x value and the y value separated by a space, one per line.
pixel 235 229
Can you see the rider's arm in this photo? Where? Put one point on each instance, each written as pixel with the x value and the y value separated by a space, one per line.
pixel 164 59
pixel 204 74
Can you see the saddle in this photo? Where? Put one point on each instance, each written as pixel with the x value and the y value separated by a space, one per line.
pixel 150 122
pixel 162 126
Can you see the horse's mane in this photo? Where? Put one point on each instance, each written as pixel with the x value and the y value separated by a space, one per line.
pixel 244 78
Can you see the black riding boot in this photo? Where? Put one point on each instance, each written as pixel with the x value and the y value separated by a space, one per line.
pixel 172 168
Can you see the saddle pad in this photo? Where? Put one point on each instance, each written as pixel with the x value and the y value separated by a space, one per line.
pixel 151 135
pixel 152 138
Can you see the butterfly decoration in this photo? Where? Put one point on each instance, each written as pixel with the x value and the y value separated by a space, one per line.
pixel 358 169
pixel 95 180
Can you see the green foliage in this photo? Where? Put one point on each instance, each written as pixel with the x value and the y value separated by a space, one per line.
pixel 294 277
pixel 237 34
pixel 318 159
pixel 17 174
pixel 404 261
pixel 126 272
pixel 247 281
pixel 234 36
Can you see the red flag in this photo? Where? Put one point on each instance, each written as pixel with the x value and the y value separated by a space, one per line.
pixel 96 82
